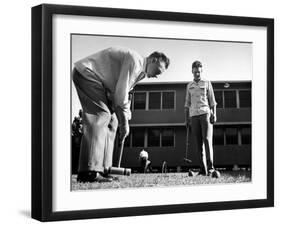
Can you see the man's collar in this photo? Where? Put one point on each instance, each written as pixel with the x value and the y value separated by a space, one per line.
pixel 201 80
pixel 144 66
pixel 193 82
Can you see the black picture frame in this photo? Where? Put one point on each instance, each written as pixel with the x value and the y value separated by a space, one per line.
pixel 42 107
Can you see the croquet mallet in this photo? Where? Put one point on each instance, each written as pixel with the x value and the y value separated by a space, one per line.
pixel 119 170
pixel 188 130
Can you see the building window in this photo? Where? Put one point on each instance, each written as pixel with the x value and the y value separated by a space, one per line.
pixel 219 99
pixel 218 136
pixel 231 135
pixel 138 137
pixel 245 98
pixel 246 135
pixel 139 100
pixel 154 101
pixel 168 100
pixel 150 137
pixel 167 138
pixel 153 138
pixel 230 99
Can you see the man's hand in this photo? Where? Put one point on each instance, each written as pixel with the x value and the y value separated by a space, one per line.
pixel 187 122
pixel 123 123
pixel 213 118
pixel 124 130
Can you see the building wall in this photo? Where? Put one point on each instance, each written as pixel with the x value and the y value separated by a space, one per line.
pixel 172 155
pixel 224 154
pixel 161 116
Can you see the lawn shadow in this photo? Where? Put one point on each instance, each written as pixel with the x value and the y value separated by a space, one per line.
pixel 25 213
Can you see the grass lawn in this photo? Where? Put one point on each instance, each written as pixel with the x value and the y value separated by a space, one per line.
pixel 161 180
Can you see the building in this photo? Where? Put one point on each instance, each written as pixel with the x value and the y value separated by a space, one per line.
pixel 158 125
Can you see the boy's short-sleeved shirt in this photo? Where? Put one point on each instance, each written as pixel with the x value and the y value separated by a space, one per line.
pixel 199 97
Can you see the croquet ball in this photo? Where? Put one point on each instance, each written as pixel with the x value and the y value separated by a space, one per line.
pixel 215 174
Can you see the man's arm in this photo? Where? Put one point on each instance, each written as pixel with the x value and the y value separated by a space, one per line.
pixel 122 88
pixel 123 123
pixel 213 104
pixel 213 117
pixel 121 95
pixel 187 106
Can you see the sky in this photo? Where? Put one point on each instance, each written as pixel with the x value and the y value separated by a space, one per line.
pixel 222 61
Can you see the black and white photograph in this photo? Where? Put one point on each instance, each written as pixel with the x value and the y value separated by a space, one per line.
pixel 157 112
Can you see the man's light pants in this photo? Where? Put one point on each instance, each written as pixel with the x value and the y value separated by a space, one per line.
pixel 202 131
pixel 99 125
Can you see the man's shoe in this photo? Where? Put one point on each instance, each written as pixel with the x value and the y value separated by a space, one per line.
pixel 87 176
pixel 91 176
pixel 215 174
pixel 210 172
pixel 109 177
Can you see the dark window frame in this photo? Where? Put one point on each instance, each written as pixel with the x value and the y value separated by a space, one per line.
pixel 174 100
pixel 133 101
pixel 145 137
pixel 132 140
pixel 239 134
pixel 174 137
pixel 235 97
pixel 245 90
pixel 250 135
pixel 237 93
pixel 149 98
pixel 161 100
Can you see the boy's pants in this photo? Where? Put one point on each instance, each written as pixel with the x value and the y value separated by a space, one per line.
pixel 202 130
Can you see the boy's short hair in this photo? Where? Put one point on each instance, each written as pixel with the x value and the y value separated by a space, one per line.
pixel 161 57
pixel 196 64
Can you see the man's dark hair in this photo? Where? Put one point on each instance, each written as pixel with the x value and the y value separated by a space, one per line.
pixel 196 64
pixel 161 57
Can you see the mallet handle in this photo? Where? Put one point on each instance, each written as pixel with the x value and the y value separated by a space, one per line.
pixel 186 145
pixel 120 152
